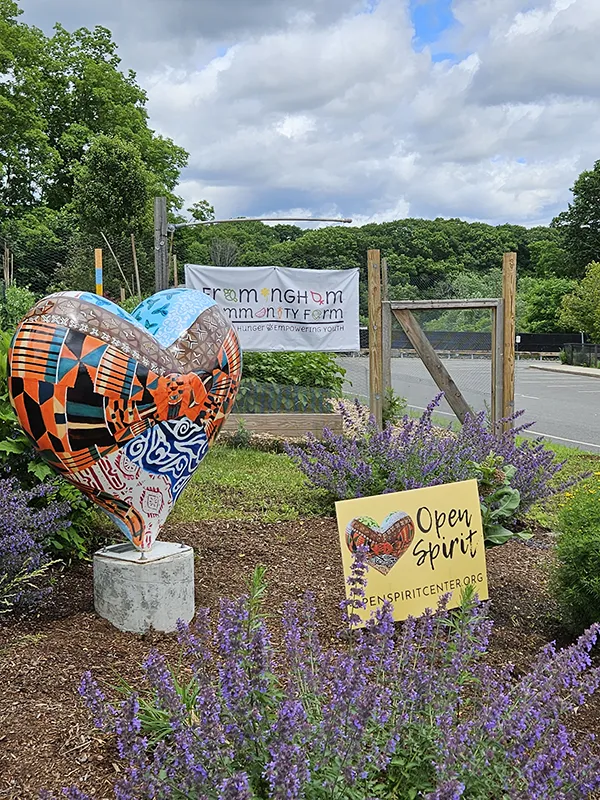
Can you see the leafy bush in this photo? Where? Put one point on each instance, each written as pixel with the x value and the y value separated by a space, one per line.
pixel 27 520
pixel 395 717
pixel 394 407
pixel 576 575
pixel 319 370
pixel 130 303
pixel 15 304
pixel 499 500
pixel 366 461
pixel 256 398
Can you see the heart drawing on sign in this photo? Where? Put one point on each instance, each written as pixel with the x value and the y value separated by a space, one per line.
pixel 387 542
pixel 125 406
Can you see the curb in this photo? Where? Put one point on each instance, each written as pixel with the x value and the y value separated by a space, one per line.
pixel 567 370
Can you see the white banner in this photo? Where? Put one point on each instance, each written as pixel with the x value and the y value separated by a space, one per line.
pixel 279 309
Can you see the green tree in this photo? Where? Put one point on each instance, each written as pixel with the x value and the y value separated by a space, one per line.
pixel 85 94
pixel 543 306
pixel 39 241
pixel 580 224
pixel 549 258
pixel 57 95
pixel 26 156
pixel 77 155
pixel 112 188
pixel 581 309
pixel 467 286
pixel 202 210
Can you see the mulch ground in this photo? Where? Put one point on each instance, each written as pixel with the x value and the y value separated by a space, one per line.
pixel 46 736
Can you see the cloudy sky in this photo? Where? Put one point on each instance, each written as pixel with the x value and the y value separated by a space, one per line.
pixel 374 109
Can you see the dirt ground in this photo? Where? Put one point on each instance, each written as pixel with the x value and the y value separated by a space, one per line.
pixel 46 736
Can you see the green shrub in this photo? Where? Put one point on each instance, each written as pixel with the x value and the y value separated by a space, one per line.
pixel 394 407
pixel 576 576
pixel 131 303
pixel 261 398
pixel 16 303
pixel 318 370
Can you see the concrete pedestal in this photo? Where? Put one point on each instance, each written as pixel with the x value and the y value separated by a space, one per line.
pixel 138 591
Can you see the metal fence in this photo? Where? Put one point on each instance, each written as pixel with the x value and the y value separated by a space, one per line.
pixel 262 398
pixel 476 341
pixel 581 355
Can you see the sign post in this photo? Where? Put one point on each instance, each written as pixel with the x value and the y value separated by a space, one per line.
pixel 509 295
pixel 99 271
pixel 375 336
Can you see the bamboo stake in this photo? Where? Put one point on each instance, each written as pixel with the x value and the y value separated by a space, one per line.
pixel 99 271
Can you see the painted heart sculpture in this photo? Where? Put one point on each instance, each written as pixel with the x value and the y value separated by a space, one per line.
pixel 387 543
pixel 125 406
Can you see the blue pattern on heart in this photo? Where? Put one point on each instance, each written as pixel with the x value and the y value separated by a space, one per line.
pixel 174 449
pixel 168 314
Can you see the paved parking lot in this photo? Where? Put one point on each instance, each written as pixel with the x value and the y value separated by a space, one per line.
pixel 565 408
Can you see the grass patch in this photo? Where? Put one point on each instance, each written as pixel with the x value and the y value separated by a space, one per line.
pixel 249 485
pixel 244 484
pixel 577 462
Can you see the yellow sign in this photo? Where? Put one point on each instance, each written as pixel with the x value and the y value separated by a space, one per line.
pixel 423 543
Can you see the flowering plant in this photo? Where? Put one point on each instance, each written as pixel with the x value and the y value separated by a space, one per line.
pixel 24 529
pixel 365 460
pixel 413 713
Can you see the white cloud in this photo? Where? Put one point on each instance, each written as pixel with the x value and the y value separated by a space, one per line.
pixel 314 105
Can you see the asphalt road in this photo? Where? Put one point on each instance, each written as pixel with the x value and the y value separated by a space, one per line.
pixel 565 408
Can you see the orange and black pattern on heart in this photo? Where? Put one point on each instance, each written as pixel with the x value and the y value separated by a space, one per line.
pixel 88 381
pixel 387 543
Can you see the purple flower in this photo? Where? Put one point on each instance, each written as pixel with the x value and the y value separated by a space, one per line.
pixel 414 706
pixel 24 529
pixel 235 788
pixel 365 461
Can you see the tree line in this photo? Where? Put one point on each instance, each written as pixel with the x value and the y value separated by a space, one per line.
pixel 80 166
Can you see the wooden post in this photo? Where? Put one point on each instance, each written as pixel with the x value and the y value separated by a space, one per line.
pixel 99 275
pixel 386 351
pixel 161 251
pixel 497 393
pixel 375 335
pixel 122 295
pixel 175 275
pixel 509 296
pixel 432 362
pixel 386 333
pixel 135 267
pixel 384 280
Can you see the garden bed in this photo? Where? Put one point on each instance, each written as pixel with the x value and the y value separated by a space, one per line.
pixel 46 736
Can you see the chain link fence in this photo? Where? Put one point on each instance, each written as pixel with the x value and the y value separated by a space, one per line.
pixel 581 355
pixel 466 355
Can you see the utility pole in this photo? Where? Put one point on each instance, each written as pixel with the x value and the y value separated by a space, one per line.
pixel 161 251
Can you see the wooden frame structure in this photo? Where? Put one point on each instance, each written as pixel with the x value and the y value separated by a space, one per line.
pixel 285 424
pixel 382 312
